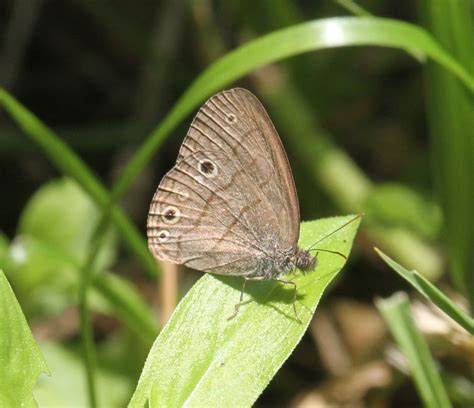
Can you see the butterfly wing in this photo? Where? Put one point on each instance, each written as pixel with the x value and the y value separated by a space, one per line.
pixel 230 200
pixel 205 214
pixel 235 123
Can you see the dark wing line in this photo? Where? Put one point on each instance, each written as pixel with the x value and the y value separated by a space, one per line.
pixel 254 157
pixel 247 112
pixel 157 214
pixel 230 134
pixel 265 153
pixel 187 261
pixel 211 250
pixel 179 205
pixel 201 132
pixel 224 264
pixel 291 195
pixel 250 243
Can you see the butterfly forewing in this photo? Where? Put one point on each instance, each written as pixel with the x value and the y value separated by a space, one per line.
pixel 236 123
pixel 230 199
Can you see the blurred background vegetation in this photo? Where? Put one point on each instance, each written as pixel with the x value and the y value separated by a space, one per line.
pixel 366 130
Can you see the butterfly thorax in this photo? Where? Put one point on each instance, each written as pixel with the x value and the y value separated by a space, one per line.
pixel 284 261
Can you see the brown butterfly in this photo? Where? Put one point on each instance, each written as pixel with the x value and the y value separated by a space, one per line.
pixel 229 205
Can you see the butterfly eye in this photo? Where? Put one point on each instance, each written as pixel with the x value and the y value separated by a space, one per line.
pixel 163 236
pixel 171 215
pixel 207 168
pixel 230 118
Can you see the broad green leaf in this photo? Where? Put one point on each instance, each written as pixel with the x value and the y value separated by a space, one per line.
pixel 21 361
pixel 55 214
pixel 432 293
pixel 33 263
pixel 66 387
pixel 202 359
pixel 396 312
pixel 297 39
pixel 47 280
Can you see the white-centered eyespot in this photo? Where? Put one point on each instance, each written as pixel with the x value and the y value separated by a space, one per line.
pixel 170 215
pixel 230 118
pixel 207 168
pixel 163 236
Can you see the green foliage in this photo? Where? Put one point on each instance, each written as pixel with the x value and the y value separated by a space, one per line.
pixel 396 312
pixel 451 122
pixel 432 293
pixel 21 361
pixel 55 215
pixel 67 386
pixel 70 164
pixel 300 38
pixel 397 205
pixel 44 260
pixel 202 359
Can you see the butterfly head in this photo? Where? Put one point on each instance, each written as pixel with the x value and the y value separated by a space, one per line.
pixel 304 261
pixel 283 262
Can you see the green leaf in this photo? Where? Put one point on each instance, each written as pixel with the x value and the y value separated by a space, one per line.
pixel 67 386
pixel 431 292
pixel 396 312
pixel 202 359
pixel 21 361
pixel 46 259
pixel 300 38
pixel 47 279
pixel 55 214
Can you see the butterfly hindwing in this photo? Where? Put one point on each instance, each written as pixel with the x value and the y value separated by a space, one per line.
pixel 205 215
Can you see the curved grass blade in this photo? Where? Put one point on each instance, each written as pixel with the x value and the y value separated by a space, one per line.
pixel 396 312
pixel 70 164
pixel 281 44
pixel 202 359
pixel 431 292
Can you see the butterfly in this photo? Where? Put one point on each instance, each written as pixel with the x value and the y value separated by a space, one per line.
pixel 229 205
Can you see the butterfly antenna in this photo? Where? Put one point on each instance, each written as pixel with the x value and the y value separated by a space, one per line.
pixel 329 251
pixel 312 248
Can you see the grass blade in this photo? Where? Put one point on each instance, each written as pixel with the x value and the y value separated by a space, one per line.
pixel 451 123
pixel 396 312
pixel 431 292
pixel 70 164
pixel 300 38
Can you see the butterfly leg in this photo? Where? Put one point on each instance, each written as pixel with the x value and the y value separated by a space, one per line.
pixel 285 282
pixel 241 299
